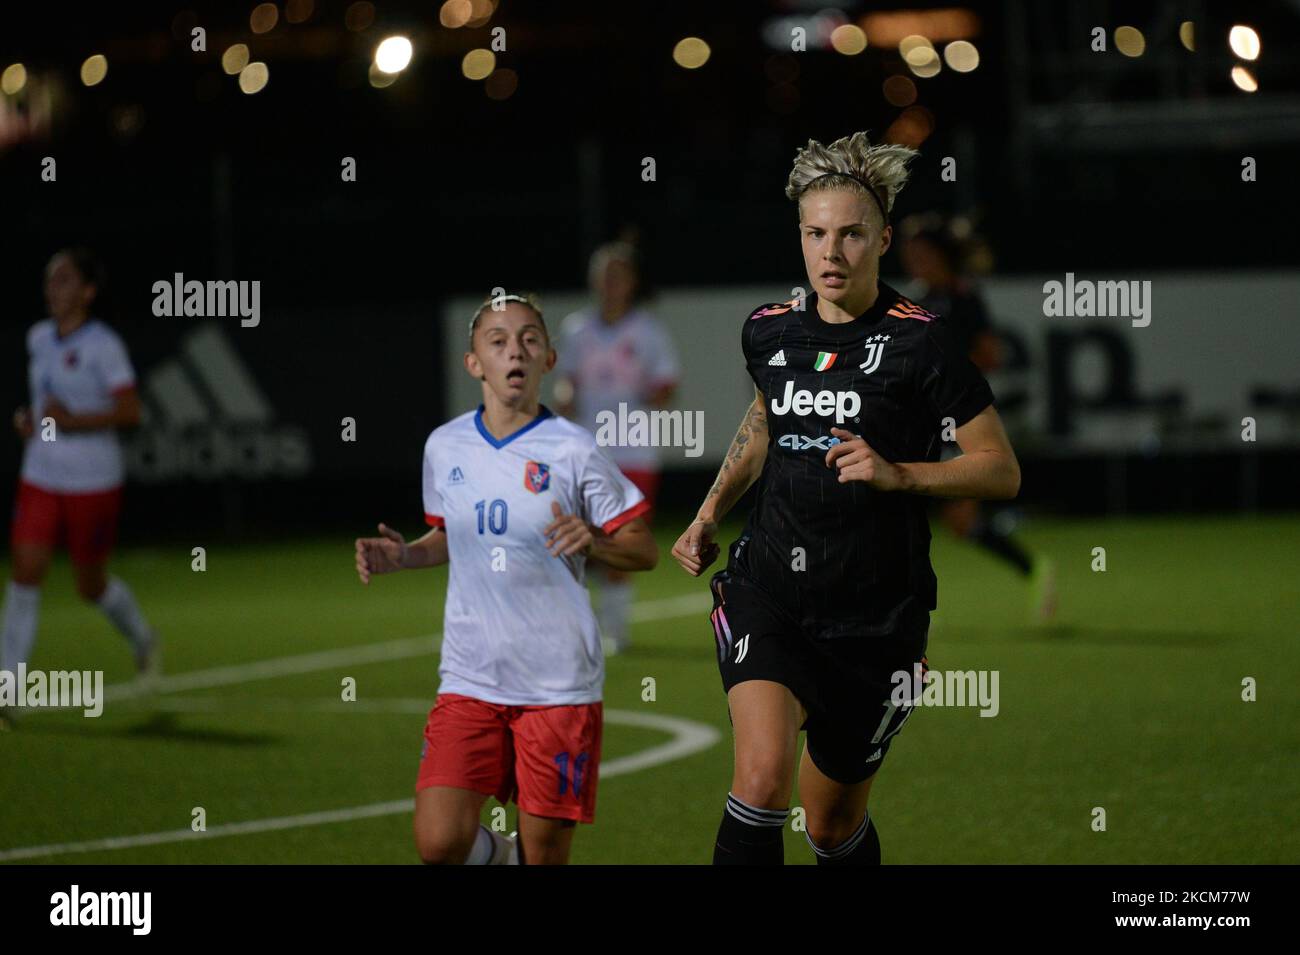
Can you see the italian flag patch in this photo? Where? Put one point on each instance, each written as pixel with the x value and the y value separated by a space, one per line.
pixel 824 360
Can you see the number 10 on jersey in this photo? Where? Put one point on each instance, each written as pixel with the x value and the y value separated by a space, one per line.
pixel 492 515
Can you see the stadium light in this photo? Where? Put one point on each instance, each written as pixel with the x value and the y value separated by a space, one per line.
pixel 94 69
pixel 264 18
pixel 691 53
pixel 1130 41
pixel 478 64
pixel 13 79
pixel 253 77
pixel 1244 79
pixel 848 39
pixel 961 55
pixel 393 54
pixel 234 59
pixel 1244 42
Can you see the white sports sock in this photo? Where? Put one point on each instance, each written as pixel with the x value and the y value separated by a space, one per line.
pixel 481 852
pixel 615 602
pixel 120 607
pixel 18 632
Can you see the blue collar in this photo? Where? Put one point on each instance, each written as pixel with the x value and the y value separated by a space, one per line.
pixel 542 415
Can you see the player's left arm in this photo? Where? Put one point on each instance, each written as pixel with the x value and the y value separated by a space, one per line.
pixel 630 546
pixel 125 413
pixel 987 468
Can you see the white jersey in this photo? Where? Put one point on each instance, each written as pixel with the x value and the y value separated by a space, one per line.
pixel 84 372
pixel 624 362
pixel 519 628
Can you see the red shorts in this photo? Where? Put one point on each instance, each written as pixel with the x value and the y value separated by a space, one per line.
pixel 647 483
pixel 87 521
pixel 546 757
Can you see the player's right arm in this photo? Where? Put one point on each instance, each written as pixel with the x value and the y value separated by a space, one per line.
pixel 390 552
pixel 695 550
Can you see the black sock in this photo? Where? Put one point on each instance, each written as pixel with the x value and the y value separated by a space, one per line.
pixel 1002 546
pixel 749 835
pixel 861 848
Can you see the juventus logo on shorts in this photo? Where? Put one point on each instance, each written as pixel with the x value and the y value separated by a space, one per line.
pixel 875 351
pixel 742 648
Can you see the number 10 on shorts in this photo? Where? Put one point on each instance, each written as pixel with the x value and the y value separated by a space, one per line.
pixel 578 763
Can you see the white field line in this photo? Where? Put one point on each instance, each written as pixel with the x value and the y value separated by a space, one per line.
pixel 688 736
pixel 405 649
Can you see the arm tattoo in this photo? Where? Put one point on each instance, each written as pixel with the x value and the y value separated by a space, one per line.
pixel 753 427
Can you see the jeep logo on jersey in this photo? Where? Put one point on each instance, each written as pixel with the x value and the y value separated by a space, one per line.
pixel 537 477
pixel 801 442
pixel 842 404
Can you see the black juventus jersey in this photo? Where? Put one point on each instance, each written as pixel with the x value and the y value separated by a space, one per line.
pixel 892 375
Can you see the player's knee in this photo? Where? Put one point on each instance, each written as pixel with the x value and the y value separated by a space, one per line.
pixel 763 782
pixel 442 847
pixel 440 842
pixel 828 830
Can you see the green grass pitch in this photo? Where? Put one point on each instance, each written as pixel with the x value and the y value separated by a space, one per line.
pixel 1131 702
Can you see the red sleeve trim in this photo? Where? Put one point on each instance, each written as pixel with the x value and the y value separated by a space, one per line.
pixel 435 520
pixel 633 512
pixel 123 389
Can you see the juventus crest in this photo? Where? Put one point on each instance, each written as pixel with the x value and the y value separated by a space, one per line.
pixel 875 350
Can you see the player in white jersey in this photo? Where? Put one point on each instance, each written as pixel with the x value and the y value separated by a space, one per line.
pixel 616 353
pixel 518 500
pixel 82 390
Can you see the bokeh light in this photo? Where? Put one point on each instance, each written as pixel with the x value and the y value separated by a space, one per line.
pixel 961 55
pixel 253 77
pixel 264 18
pixel 393 54
pixel 899 91
pixel 235 58
pixel 848 39
pixel 94 69
pixel 1130 41
pixel 1244 42
pixel 13 79
pixel 478 64
pixel 691 53
pixel 359 16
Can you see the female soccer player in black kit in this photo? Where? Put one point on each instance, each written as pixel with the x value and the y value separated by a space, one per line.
pixel 827 593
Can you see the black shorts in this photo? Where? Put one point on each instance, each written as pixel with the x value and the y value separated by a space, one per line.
pixel 849 685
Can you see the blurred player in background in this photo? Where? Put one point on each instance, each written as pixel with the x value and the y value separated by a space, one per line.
pixel 616 352
pixel 827 594
pixel 82 390
pixel 519 499
pixel 933 258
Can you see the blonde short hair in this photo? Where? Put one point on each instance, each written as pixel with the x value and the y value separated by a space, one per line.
pixel 877 172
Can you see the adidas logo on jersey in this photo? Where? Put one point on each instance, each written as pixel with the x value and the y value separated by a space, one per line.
pixel 873 757
pixel 456 476
pixel 778 360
